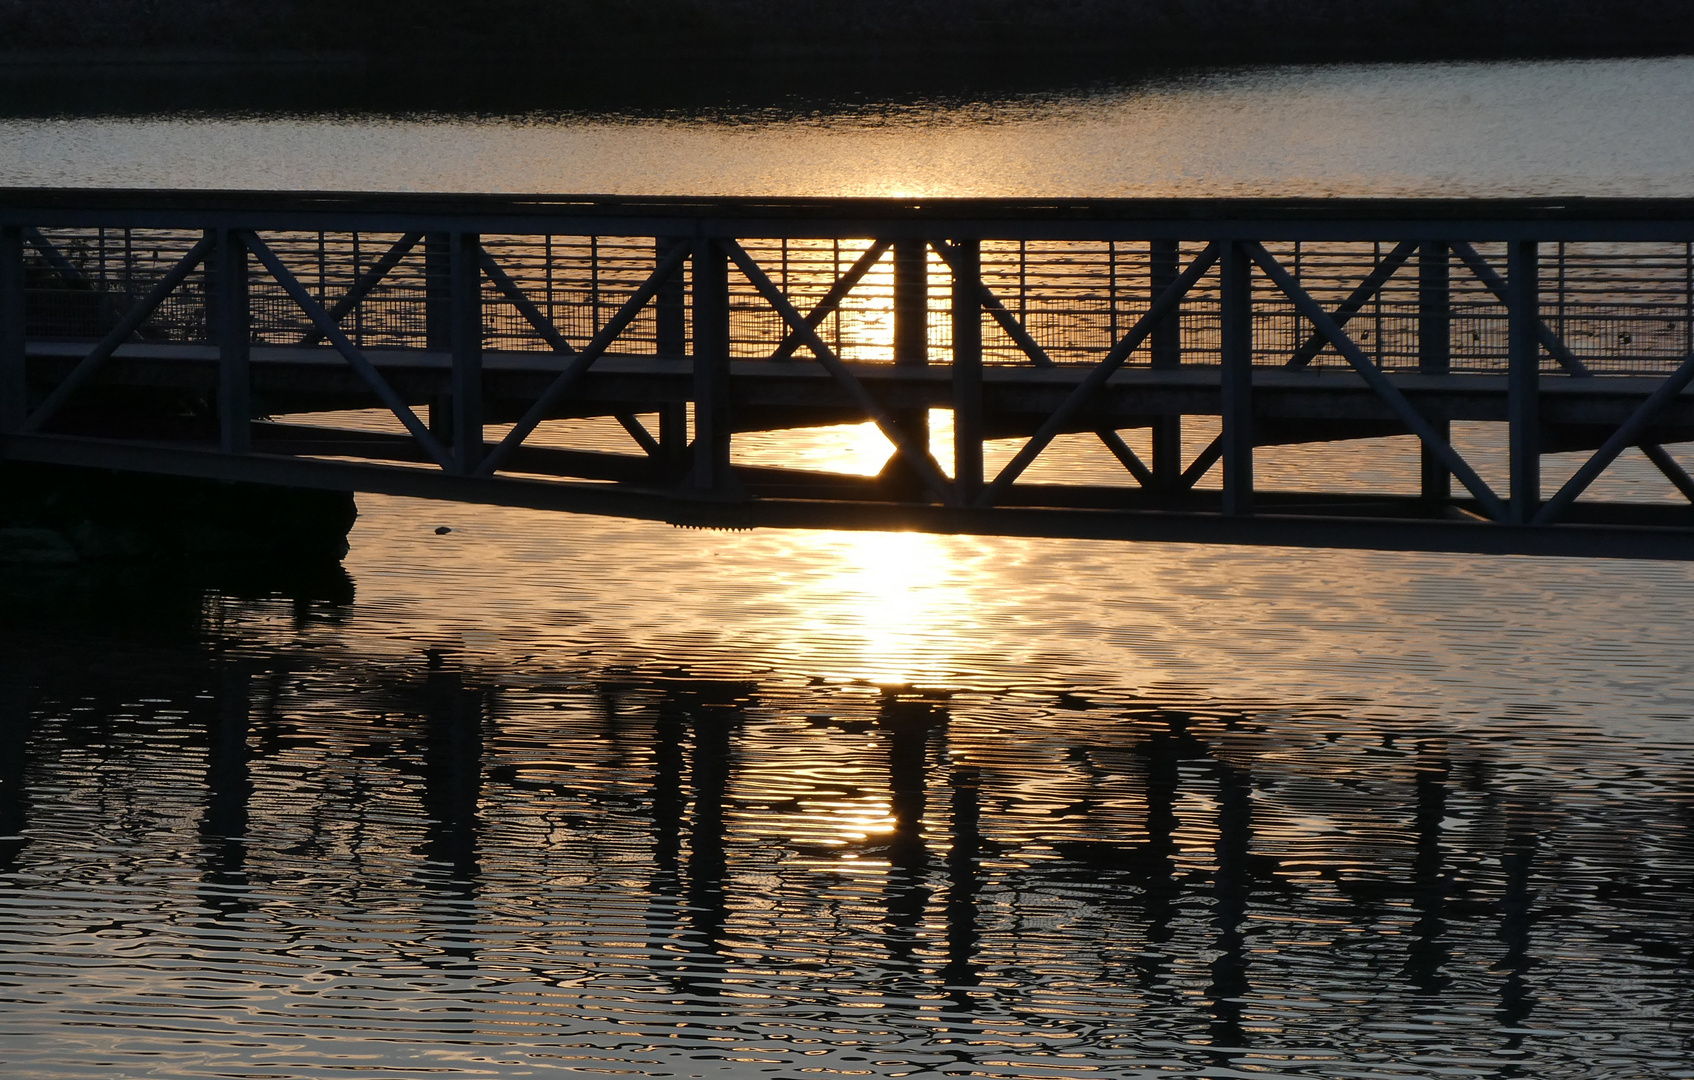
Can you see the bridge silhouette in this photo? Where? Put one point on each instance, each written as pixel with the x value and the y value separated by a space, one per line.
pixel 427 345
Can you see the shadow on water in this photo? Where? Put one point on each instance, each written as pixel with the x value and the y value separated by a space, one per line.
pixel 1140 869
pixel 1428 952
pixel 910 729
pixel 1232 885
pixel 964 882
pixel 715 711
pixel 16 725
pixel 229 787
pixel 451 764
pixel 104 632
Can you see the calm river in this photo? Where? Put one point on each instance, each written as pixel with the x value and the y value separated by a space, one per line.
pixel 545 795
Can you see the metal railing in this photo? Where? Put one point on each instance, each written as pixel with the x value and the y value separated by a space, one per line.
pixel 1621 308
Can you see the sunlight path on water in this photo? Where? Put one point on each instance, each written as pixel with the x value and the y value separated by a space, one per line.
pixel 1599 642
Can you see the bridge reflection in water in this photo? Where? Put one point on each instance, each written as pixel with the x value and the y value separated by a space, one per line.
pixel 443 345
pixel 619 860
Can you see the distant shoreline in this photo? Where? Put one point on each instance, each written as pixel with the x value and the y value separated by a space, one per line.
pixel 11 60
pixel 117 56
pixel 724 33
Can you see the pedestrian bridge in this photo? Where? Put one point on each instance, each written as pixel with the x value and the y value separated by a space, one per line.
pixel 457 347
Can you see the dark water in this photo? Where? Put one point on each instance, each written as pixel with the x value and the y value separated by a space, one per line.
pixel 545 794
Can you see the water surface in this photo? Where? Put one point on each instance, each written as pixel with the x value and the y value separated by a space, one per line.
pixel 1596 127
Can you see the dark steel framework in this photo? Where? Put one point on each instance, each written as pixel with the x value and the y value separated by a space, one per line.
pixel 209 334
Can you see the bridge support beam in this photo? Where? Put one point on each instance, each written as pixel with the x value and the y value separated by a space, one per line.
pixel 1236 391
pixel 1523 380
pixel 1166 341
pixel 967 370
pixel 14 386
pixel 911 349
pixel 1435 352
pixel 711 367
pixel 438 321
pixel 465 338
pixel 670 328
pixel 231 329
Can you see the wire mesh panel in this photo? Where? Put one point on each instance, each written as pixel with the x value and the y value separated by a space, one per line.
pixel 80 282
pixel 1074 299
pixel 328 266
pixel 1618 307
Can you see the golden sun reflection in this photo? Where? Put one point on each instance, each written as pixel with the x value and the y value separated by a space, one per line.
pixel 857 826
pixel 864 450
pixel 852 449
pixel 889 608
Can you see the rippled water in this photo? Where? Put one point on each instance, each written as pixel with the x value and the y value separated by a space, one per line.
pixel 558 793
pixel 1611 127
pixel 544 793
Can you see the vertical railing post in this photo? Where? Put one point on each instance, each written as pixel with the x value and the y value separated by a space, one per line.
pixel 1688 297
pixel 670 338
pixel 14 384
pixel 1435 353
pixel 232 329
pixel 1236 380
pixel 1523 378
pixel 670 325
pixel 911 349
pixel 711 366
pixel 1167 354
pixel 967 370
pixel 438 318
pixel 464 273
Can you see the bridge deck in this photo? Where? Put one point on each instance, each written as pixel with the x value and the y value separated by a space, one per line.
pixel 776 395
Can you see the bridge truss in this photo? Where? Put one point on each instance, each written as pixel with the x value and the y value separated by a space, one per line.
pixel 443 346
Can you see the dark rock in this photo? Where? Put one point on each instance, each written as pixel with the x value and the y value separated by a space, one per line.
pixel 41 547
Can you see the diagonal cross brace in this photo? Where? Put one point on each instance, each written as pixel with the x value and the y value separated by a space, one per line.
pixel 120 333
pixel 1126 456
pixel 1555 346
pixel 1008 322
pixel 832 299
pixel 1377 381
pixel 350 352
pixel 526 307
pixel 580 362
pixel 1096 378
pixel 1627 435
pixel 1202 464
pixel 914 454
pixel 367 281
pixel 1673 470
pixel 638 431
pixel 1356 300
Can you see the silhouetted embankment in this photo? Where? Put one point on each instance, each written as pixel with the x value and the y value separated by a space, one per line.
pixel 56 515
pixel 704 33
